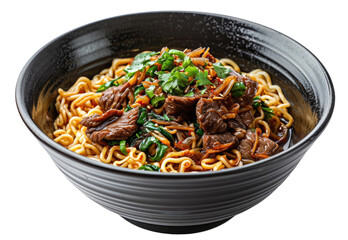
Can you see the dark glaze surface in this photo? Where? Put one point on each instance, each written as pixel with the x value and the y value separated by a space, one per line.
pixel 156 200
pixel 92 48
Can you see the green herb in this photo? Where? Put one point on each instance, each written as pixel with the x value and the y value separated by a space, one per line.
pixel 150 91
pixel 191 71
pixel 221 71
pixel 149 167
pixel 139 63
pixel 238 89
pixel 160 150
pixel 203 90
pixel 151 71
pixel 159 117
pixel 189 94
pixel 187 61
pixel 198 130
pixel 123 147
pixel 174 82
pixel 257 102
pixel 202 79
pixel 127 108
pixel 178 53
pixel 142 116
pixel 138 89
pixel 167 118
pixel 158 101
pixel 167 61
pixel 109 84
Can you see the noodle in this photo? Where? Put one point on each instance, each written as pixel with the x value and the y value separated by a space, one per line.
pixel 82 100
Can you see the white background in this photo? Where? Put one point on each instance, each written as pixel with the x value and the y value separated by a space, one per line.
pixel 38 202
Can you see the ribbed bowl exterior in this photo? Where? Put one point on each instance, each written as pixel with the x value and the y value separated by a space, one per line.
pixel 166 199
pixel 172 200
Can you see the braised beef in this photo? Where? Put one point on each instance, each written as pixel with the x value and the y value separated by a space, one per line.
pixel 209 116
pixel 242 120
pixel 181 108
pixel 97 122
pixel 235 123
pixel 265 147
pixel 250 92
pixel 251 89
pixel 120 129
pixel 113 97
pixel 196 156
pixel 215 141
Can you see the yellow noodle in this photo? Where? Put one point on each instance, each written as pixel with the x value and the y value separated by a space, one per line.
pixel 81 100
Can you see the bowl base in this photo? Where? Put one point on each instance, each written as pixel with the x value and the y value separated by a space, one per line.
pixel 177 229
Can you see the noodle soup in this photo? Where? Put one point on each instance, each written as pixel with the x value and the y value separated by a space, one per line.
pixel 174 111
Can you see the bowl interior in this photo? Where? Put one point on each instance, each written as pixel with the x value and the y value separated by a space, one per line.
pixel 91 48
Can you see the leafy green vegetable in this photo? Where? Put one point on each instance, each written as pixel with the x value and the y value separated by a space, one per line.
pixel 238 89
pixel 202 79
pixel 127 108
pixel 142 116
pixel 158 100
pixel 257 102
pixel 151 71
pixel 140 62
pixel 203 90
pixel 160 150
pixel 167 61
pixel 198 130
pixel 150 126
pixel 178 53
pixel 109 84
pixel 191 71
pixel 138 89
pixel 167 118
pixel 189 94
pixel 123 147
pixel 187 61
pixel 150 91
pixel 221 71
pixel 174 82
pixel 149 167
pixel 159 117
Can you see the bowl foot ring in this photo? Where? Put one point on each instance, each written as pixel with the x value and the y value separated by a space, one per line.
pixel 177 229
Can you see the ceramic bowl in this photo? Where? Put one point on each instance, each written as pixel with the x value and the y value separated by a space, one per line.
pixel 187 202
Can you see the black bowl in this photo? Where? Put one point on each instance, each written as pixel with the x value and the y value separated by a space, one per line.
pixel 164 202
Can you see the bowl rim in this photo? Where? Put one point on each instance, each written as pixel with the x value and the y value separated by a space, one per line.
pixel 43 138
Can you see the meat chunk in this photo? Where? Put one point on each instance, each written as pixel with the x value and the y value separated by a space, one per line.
pixel 265 147
pixel 250 92
pixel 120 128
pixel 195 155
pixel 97 122
pixel 217 141
pixel 181 108
pixel 113 97
pixel 251 89
pixel 242 120
pixel 210 116
pixel 246 117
